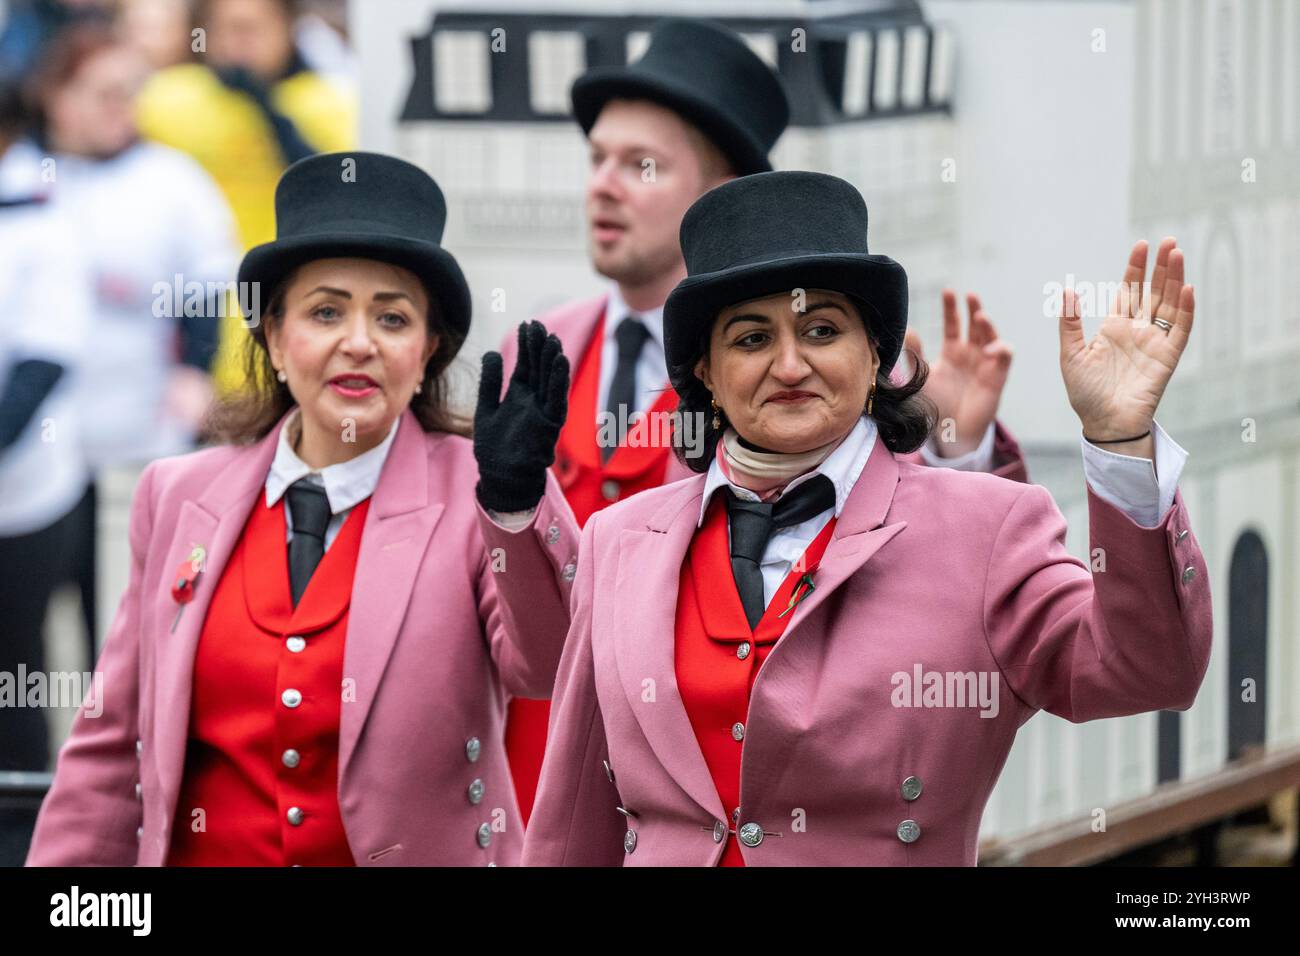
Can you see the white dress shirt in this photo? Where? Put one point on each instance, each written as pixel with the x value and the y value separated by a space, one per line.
pixel 1128 483
pixel 150 220
pixel 346 484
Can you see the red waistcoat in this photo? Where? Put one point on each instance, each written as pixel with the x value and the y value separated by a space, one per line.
pixel 261 766
pixel 589 484
pixel 717 656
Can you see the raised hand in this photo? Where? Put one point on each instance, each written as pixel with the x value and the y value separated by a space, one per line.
pixel 967 378
pixel 1115 381
pixel 515 436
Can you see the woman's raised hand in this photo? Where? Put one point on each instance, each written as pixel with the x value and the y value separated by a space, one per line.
pixel 967 379
pixel 515 436
pixel 1115 381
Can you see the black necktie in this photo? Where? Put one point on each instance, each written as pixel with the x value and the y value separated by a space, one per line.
pixel 752 524
pixel 630 336
pixel 310 510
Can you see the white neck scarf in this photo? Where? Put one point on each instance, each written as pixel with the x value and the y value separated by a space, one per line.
pixel 765 472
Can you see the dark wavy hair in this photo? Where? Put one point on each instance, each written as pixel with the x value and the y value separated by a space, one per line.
pixel 248 415
pixel 902 415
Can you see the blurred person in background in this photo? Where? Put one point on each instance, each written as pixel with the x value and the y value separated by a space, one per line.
pixel 246 108
pixel 321 34
pixel 44 307
pixel 159 28
pixel 152 225
pixel 26 26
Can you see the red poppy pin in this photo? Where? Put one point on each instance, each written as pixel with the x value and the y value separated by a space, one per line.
pixel 183 581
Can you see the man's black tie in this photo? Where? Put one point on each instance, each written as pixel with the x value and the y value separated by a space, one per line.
pixel 630 336
pixel 310 510
pixel 752 524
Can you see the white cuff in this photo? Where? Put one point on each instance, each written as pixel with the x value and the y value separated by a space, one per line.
pixel 981 459
pixel 1131 484
pixel 512 520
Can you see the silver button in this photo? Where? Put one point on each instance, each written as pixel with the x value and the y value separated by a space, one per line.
pixel 609 771
pixel 472 749
pixel 139 747
pixel 295 816
pixel 569 571
pixel 1189 574
pixel 629 841
pixel 484 835
pixel 719 831
pixel 552 534
pixel 291 697
pixel 909 831
pixel 475 790
pixel 911 788
pixel 751 834
pixel 630 814
pixel 743 649
pixel 737 731
pixel 295 644
pixel 1182 534
pixel 291 758
pixel 609 488
pixel 139 793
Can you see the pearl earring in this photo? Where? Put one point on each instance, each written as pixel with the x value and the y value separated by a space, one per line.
pixel 281 375
pixel 418 388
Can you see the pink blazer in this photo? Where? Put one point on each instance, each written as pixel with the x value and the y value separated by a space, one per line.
pixel 928 571
pixel 436 642
pixel 574 323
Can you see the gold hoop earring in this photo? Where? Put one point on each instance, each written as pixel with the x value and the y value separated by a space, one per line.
pixel 717 418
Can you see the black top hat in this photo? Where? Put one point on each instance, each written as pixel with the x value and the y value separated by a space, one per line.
pixel 707 75
pixel 775 232
pixel 363 205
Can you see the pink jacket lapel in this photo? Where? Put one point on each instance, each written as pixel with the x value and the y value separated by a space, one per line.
pixel 214 520
pixel 649 567
pixel 403 513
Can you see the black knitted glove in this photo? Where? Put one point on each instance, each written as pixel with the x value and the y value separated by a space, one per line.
pixel 514 437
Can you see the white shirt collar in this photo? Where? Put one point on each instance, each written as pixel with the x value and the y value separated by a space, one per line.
pixel 616 310
pixel 842 467
pixel 347 483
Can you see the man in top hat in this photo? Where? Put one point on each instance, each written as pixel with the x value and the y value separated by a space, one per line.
pixel 697 109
